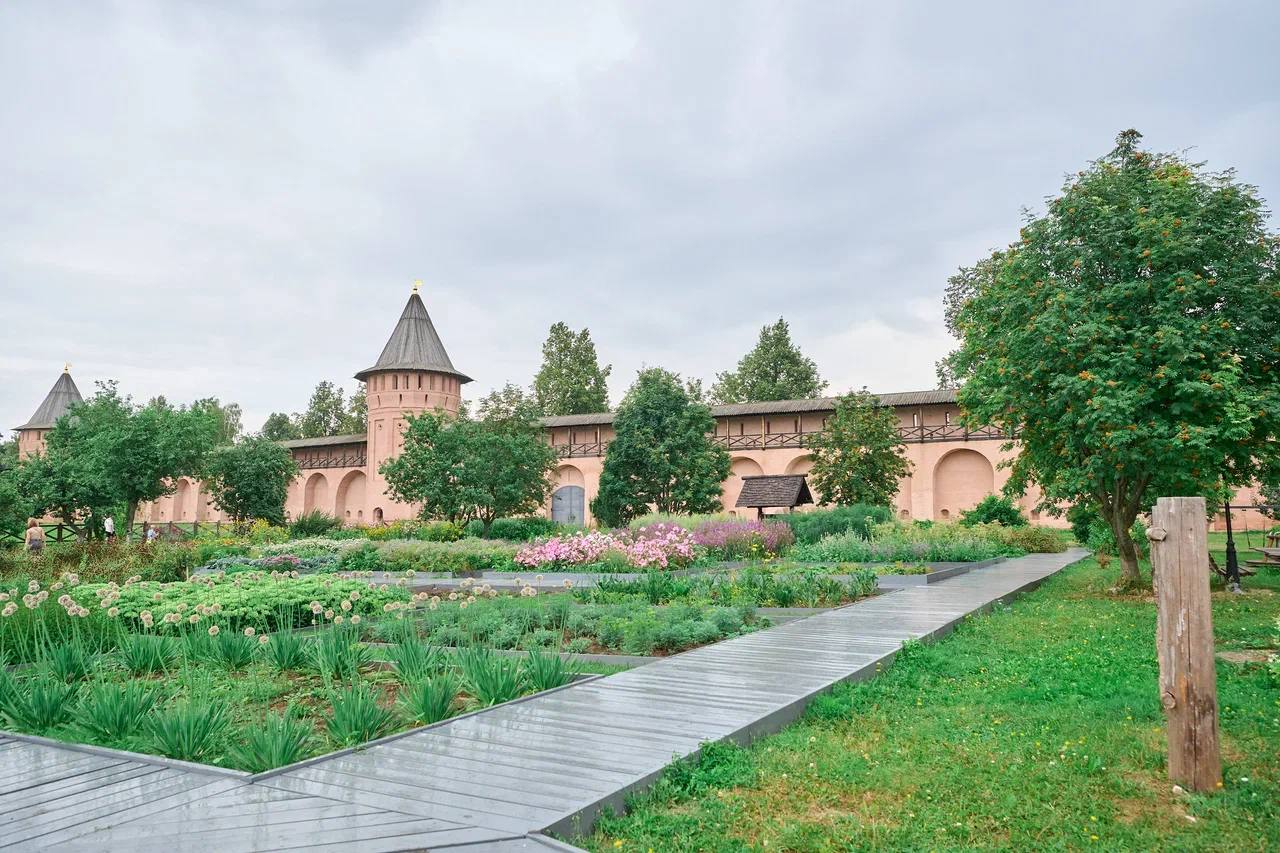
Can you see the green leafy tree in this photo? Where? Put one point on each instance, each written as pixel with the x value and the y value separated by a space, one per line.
pixel 280 427
pixel 508 404
pixel 250 479
pixel 571 381
pixel 662 456
pixel 859 458
pixel 71 488
pixel 464 468
pixel 229 417
pixel 1131 337
pixel 326 412
pixel 15 505
pixel 356 419
pixel 775 369
pixel 136 452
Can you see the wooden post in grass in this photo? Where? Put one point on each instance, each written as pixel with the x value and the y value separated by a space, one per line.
pixel 1184 641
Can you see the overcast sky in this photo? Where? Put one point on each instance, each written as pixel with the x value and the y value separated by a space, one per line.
pixel 233 199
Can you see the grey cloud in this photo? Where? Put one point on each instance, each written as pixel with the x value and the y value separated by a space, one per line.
pixel 190 189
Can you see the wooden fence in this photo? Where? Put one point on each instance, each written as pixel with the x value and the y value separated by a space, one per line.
pixel 169 531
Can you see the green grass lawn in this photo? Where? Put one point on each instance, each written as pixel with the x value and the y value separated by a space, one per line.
pixel 1033 728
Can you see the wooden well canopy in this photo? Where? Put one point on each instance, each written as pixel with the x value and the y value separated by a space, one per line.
pixel 774 490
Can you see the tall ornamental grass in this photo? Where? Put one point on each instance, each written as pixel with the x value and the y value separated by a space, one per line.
pixel 892 542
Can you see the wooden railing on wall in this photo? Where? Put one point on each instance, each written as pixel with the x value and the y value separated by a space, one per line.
pixel 772 440
pixel 351 459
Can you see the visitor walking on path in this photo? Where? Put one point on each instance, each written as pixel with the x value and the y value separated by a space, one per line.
pixel 34 538
pixel 110 527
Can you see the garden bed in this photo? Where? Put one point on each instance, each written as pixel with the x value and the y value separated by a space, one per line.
pixel 234 701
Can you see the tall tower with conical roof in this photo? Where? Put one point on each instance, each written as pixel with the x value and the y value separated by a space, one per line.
pixel 61 397
pixel 413 375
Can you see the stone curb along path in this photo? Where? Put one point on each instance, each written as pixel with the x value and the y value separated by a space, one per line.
pixel 496 780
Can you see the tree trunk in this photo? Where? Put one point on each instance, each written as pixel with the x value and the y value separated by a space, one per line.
pixel 486 523
pixel 1127 551
pixel 130 510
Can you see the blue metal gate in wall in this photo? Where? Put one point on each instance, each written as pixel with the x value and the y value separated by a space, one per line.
pixel 568 505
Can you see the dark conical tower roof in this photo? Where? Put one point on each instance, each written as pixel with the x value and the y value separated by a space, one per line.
pixel 61 397
pixel 414 345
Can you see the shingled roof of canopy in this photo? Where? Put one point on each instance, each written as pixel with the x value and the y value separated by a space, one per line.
pixel 414 345
pixel 61 397
pixel 773 490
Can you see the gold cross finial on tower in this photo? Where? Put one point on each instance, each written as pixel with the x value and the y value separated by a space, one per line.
pixel 417 285
pixel 66 367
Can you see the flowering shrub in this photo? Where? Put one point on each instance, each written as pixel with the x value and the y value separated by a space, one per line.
pixel 737 539
pixel 435 531
pixel 265 602
pixel 263 532
pixel 661 546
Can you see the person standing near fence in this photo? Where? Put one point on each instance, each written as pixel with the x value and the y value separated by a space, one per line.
pixel 109 527
pixel 34 538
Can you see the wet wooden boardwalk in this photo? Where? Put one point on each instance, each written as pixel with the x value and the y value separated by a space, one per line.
pixel 493 780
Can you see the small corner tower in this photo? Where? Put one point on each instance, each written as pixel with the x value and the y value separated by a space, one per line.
pixel 413 375
pixel 61 397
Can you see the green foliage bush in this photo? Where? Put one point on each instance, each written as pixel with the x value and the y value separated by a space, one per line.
pixel 517 529
pixel 994 509
pixel 464 555
pixel 811 526
pixel 1083 518
pixel 366 558
pixel 1034 540
pixel 314 523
